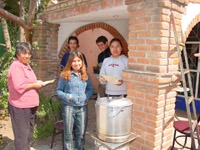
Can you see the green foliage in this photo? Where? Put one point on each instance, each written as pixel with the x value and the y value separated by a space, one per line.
pixel 44 118
pixel 7 59
pixel 35 45
pixel 5 62
pixel 43 130
pixel 44 123
pixel 12 6
pixel 41 6
pixel 13 33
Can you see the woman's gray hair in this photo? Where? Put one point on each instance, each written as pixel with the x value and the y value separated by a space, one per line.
pixel 22 47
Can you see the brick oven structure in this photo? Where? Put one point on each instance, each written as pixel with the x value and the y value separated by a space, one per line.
pixel 152 73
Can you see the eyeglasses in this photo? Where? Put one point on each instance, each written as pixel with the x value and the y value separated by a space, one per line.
pixel 26 54
pixel 76 53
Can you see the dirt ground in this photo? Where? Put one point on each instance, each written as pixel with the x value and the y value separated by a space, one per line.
pixel 8 141
pixel 6 131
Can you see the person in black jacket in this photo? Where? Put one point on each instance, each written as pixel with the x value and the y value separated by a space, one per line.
pixel 102 43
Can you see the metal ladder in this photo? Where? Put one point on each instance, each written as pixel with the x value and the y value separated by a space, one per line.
pixel 189 99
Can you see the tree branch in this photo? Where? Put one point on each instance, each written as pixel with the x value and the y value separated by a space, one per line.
pixel 5 14
pixel 6 34
pixel 31 13
pixel 2 44
pixel 21 30
pixel 5 31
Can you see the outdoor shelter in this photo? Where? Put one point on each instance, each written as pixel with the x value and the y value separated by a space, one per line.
pixel 145 26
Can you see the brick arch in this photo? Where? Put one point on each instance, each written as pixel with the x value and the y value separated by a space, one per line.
pixel 194 1
pixel 191 25
pixel 104 26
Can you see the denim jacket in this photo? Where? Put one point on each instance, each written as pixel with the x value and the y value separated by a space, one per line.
pixel 79 90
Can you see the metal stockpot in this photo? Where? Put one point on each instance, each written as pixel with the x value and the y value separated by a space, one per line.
pixel 113 119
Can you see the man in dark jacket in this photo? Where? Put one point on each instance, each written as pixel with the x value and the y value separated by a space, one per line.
pixel 102 43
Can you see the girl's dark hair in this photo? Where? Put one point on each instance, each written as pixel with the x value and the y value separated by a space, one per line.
pixel 22 48
pixel 116 39
pixel 73 38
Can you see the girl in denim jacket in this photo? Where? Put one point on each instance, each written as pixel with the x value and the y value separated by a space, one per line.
pixel 74 88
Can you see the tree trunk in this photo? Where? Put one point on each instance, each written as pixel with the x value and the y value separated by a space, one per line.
pixel 21 30
pixel 6 34
pixel 27 27
pixel 5 31
pixel 31 15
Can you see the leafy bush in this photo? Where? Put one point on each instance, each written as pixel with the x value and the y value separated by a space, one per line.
pixel 5 62
pixel 44 118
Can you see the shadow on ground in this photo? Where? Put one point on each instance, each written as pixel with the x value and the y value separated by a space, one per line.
pixel 89 142
pixel 45 143
pixel 6 141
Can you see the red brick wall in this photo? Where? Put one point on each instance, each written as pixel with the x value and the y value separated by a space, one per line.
pixel 191 25
pixel 194 1
pixel 104 26
pixel 152 71
pixel 71 8
pixel 45 57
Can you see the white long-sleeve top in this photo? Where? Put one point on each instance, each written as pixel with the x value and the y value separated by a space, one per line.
pixel 113 67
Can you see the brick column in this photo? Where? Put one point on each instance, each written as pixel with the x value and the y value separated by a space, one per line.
pixel 152 74
pixel 45 57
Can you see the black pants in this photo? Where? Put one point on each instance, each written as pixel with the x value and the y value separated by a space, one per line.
pixel 23 120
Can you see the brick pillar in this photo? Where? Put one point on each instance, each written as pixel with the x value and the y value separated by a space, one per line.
pixel 152 74
pixel 45 57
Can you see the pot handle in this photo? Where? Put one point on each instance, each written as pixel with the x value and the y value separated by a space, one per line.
pixel 120 110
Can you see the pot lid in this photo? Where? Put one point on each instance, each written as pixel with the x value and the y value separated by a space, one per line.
pixel 109 102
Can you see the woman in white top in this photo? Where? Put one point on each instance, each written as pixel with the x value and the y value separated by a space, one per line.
pixel 113 66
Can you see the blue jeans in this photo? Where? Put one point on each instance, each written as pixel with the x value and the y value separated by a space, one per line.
pixel 74 115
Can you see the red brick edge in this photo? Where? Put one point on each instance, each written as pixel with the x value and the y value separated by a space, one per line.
pixel 194 1
pixel 104 26
pixel 191 25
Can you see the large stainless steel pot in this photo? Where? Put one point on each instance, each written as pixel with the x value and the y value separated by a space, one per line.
pixel 113 117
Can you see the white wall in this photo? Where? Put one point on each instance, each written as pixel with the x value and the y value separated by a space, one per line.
pixel 191 11
pixel 88 46
pixel 66 29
